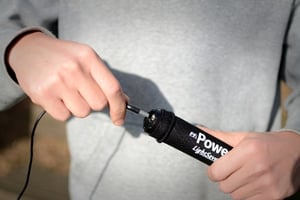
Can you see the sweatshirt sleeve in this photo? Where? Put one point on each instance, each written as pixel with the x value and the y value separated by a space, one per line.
pixel 292 70
pixel 16 18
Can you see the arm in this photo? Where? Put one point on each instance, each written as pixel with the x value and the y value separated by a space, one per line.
pixel 260 166
pixel 14 16
pixel 266 166
pixel 65 78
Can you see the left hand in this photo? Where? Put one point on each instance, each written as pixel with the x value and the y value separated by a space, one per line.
pixel 260 166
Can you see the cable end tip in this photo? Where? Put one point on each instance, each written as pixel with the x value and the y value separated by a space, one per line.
pixel 137 110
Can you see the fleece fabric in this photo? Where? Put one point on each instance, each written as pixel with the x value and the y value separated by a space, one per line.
pixel 217 63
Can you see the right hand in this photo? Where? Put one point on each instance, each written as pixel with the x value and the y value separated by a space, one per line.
pixel 65 78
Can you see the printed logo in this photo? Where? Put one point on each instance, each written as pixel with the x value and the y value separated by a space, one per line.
pixel 207 147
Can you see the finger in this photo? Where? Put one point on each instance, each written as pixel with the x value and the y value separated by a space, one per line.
pixel 257 197
pixel 63 101
pixel 226 165
pixel 93 95
pixel 74 102
pixel 230 138
pixel 117 105
pixel 238 179
pixel 91 92
pixel 229 163
pixel 57 109
pixel 67 91
pixel 50 100
pixel 112 90
pixel 248 191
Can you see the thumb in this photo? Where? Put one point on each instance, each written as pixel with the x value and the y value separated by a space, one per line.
pixel 231 138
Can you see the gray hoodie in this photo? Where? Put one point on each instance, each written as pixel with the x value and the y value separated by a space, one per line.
pixel 217 63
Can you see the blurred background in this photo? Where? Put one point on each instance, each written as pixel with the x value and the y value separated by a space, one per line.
pixel 49 174
pixel 49 177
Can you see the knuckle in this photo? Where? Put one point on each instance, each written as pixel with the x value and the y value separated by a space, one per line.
pixel 261 168
pixel 86 52
pixel 263 164
pixel 99 105
pixel 251 148
pixel 269 181
pixel 34 97
pixel 212 173
pixel 83 112
pixel 236 196
pixel 115 90
pixel 62 116
pixel 42 92
pixel 255 147
pixel 223 187
pixel 70 71
pixel 117 114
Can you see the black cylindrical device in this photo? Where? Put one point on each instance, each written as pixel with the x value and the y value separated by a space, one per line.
pixel 172 130
pixel 176 132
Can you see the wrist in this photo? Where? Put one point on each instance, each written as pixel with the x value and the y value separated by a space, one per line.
pixel 10 48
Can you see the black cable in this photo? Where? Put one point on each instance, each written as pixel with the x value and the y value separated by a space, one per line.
pixel 107 163
pixel 31 153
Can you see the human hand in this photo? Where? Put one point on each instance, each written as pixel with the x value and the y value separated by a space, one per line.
pixel 260 166
pixel 65 77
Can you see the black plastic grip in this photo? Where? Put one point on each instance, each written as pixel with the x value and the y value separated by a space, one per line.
pixel 172 130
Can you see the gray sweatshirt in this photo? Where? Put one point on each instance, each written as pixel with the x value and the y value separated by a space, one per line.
pixel 216 62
